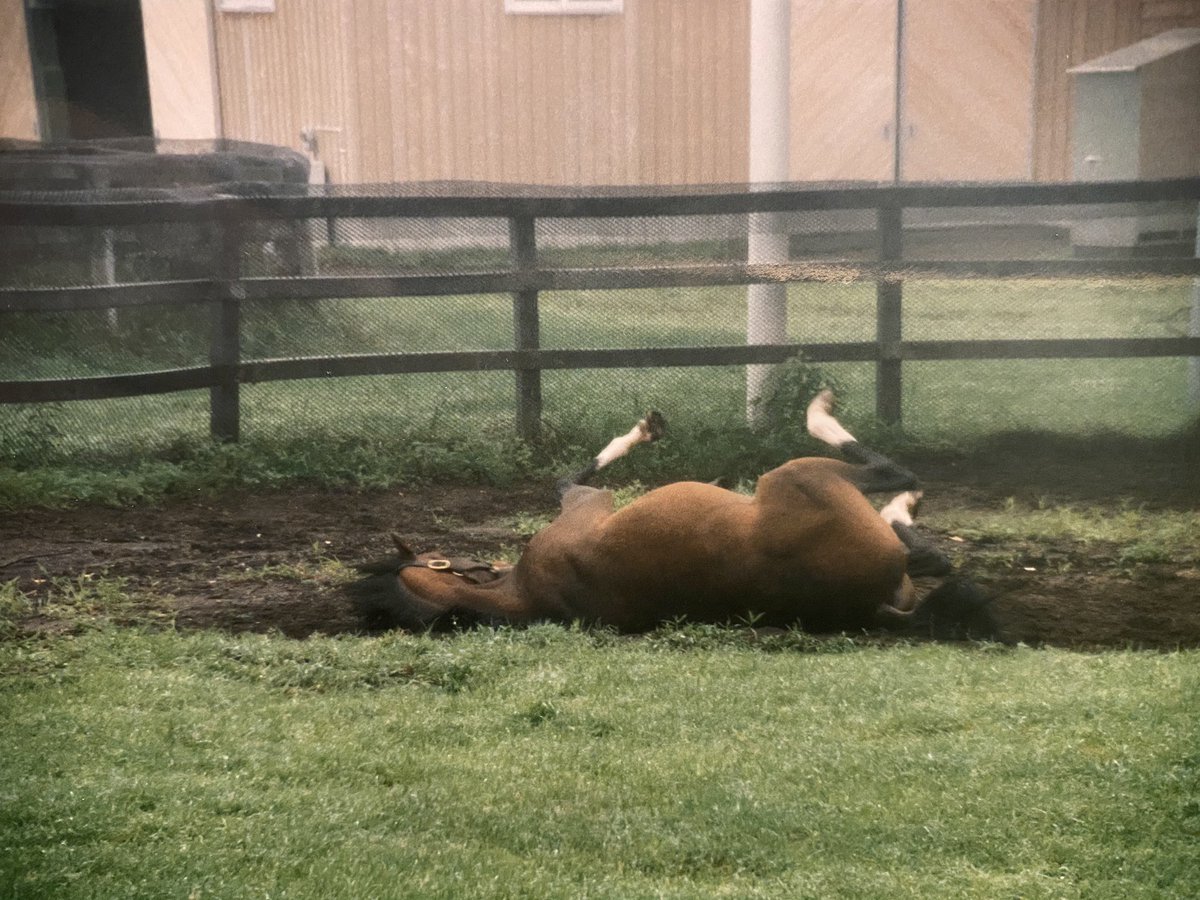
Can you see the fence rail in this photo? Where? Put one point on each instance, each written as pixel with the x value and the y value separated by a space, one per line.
pixel 468 200
pixel 526 276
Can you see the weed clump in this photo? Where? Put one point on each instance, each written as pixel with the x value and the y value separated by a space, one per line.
pixel 790 386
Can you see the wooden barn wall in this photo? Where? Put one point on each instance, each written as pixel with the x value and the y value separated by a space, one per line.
pixel 1071 32
pixel 968 72
pixel 656 94
pixel 843 90
pixel 460 89
pixel 18 105
pixel 179 63
pixel 1164 132
pixel 287 70
pixel 400 90
pixel 966 85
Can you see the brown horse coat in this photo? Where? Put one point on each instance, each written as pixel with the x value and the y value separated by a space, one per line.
pixel 807 548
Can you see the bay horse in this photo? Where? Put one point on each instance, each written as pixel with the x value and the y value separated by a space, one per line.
pixel 807 549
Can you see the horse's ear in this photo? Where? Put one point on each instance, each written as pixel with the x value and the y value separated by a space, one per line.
pixel 405 551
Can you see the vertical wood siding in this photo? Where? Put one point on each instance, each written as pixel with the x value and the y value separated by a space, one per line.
pixel 461 90
pixel 1071 32
pixel 287 70
pixel 1170 142
pixel 179 63
pixel 458 89
pixel 843 90
pixel 968 90
pixel 18 106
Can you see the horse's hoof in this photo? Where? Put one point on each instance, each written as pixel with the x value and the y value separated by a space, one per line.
pixel 654 426
pixel 823 401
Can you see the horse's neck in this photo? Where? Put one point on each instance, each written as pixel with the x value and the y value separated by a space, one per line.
pixel 493 599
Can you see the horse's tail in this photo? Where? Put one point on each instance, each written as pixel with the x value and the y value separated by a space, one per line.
pixel 957 609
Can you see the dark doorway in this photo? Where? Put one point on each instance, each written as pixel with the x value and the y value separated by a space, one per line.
pixel 89 60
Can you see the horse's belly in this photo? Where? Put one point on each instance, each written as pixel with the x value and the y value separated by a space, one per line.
pixel 713 564
pixel 772 598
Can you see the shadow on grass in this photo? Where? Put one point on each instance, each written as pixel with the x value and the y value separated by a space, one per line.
pixel 1161 472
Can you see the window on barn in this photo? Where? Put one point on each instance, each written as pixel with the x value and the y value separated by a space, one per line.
pixel 564 7
pixel 247 6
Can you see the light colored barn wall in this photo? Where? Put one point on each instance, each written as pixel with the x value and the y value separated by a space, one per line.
pixel 1163 15
pixel 967 86
pixel 1170 142
pixel 18 106
pixel 179 63
pixel 1070 32
pixel 843 90
pixel 284 71
pixel 968 89
pixel 658 93
pixel 407 90
pixel 461 90
pixel 692 90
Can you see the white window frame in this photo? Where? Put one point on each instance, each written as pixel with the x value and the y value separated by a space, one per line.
pixel 564 7
pixel 246 6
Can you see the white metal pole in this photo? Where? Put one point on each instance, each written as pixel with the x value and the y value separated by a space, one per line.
pixel 770 83
pixel 108 269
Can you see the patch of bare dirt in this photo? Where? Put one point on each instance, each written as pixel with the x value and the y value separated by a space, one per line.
pixel 260 562
pixel 254 562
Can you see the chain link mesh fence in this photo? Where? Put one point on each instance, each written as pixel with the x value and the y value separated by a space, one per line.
pixel 942 400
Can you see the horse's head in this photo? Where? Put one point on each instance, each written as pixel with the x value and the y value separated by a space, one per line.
pixel 408 589
pixel 424 568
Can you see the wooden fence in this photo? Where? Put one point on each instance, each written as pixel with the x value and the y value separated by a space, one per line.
pixel 526 276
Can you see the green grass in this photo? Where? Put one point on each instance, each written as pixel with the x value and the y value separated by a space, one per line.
pixel 84 602
pixel 398 429
pixel 555 763
pixel 1125 537
pixel 1177 532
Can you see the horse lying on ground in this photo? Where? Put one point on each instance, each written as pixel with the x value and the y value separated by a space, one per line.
pixel 807 549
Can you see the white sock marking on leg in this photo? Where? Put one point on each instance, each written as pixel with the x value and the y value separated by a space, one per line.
pixel 619 446
pixel 822 425
pixel 900 509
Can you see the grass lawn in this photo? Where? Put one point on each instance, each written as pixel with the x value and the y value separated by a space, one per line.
pixel 553 763
pixel 393 429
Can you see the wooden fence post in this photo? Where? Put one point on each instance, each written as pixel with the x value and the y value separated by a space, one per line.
pixel 225 352
pixel 889 295
pixel 526 328
pixel 1194 331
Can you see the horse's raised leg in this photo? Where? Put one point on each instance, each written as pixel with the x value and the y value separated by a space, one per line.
pixel 923 557
pixel 876 472
pixel 650 428
pixel 954 609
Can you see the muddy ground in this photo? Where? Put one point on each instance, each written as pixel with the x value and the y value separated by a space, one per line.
pixel 260 562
